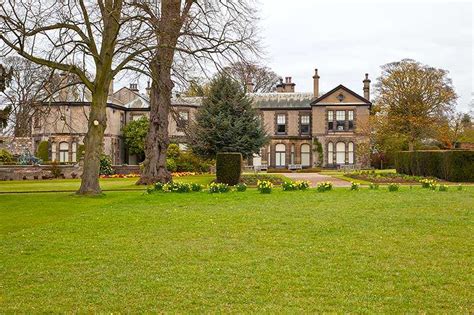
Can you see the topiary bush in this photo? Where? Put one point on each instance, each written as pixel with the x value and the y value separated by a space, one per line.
pixel 5 156
pixel 43 151
pixel 453 165
pixel 228 168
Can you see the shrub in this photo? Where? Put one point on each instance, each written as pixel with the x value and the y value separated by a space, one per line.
pixel 228 167
pixel 171 165
pixel 218 188
pixel 55 170
pixel 324 186
pixel 393 187
pixel 189 162
pixel 453 165
pixel 28 159
pixel 374 186
pixel 5 156
pixel 241 187
pixel 460 187
pixel 443 188
pixel 43 151
pixel 196 187
pixel 289 186
pixel 106 165
pixel 355 186
pixel 264 187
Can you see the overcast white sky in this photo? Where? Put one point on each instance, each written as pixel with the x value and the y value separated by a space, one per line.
pixel 344 40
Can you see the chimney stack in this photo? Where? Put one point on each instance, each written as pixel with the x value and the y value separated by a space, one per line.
pixel 316 83
pixel 367 87
pixel 148 88
pixel 134 87
pixel 286 87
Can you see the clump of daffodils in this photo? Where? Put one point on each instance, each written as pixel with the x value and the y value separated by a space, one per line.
pixel 324 186
pixel 215 188
pixel 393 187
pixel 428 183
pixel 264 186
pixel 355 186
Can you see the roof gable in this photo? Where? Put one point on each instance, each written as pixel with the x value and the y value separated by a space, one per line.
pixel 333 97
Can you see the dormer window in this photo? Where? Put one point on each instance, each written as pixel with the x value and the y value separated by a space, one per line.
pixel 281 123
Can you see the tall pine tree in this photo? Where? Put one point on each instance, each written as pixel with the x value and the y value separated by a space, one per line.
pixel 227 122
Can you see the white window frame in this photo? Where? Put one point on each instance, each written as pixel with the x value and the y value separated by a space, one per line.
pixel 280 155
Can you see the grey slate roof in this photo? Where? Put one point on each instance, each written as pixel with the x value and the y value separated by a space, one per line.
pixel 282 100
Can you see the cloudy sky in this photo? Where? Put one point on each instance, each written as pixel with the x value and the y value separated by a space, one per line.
pixel 344 40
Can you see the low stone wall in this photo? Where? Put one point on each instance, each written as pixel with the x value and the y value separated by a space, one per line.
pixel 126 169
pixel 24 172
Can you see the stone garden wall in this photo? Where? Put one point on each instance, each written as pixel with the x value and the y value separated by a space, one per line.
pixel 38 172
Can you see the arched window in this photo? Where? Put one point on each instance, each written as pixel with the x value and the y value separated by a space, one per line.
pixel 330 153
pixel 280 152
pixel 64 152
pixel 340 153
pixel 351 152
pixel 305 155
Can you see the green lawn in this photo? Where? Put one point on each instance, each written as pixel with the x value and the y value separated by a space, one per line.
pixel 345 251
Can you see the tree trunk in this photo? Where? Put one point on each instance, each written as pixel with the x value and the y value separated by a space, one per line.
pixel 93 143
pixel 156 144
pixel 157 140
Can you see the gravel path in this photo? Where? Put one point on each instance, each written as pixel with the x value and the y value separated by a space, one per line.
pixel 316 178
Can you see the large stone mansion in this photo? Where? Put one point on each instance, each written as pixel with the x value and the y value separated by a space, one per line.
pixel 293 120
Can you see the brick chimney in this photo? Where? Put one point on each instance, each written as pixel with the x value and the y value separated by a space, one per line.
pixel 316 83
pixel 134 87
pixel 366 87
pixel 286 87
pixel 148 88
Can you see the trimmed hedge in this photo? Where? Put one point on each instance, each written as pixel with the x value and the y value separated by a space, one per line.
pixel 453 165
pixel 43 151
pixel 228 168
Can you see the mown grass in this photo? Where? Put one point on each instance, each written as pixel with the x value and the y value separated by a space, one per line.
pixel 359 251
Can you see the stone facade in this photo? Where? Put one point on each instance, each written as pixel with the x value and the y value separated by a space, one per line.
pixel 294 121
pixel 16 145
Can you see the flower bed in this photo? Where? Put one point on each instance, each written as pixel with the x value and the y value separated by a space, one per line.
pixel 373 177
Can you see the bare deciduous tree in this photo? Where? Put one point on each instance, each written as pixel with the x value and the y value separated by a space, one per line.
pixel 73 36
pixel 189 35
pixel 264 80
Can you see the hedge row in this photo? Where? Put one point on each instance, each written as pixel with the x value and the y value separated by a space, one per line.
pixel 228 168
pixel 454 166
